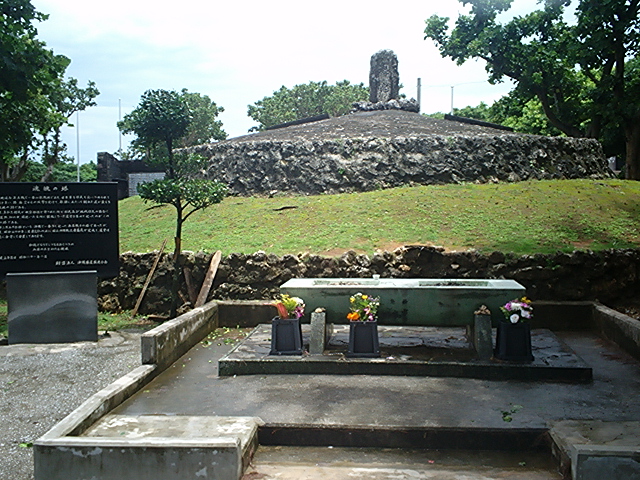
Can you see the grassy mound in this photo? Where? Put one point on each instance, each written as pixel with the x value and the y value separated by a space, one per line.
pixel 523 218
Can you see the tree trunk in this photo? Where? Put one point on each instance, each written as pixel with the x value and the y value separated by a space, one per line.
pixel 175 287
pixel 632 135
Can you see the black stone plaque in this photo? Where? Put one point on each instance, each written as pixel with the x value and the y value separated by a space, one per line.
pixel 52 307
pixel 58 227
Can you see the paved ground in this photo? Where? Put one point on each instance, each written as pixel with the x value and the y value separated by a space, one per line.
pixel 192 387
pixel 41 384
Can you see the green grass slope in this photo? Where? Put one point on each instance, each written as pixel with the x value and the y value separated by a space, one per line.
pixel 523 218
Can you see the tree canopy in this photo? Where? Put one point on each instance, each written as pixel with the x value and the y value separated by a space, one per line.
pixel 584 73
pixel 306 100
pixel 166 119
pixel 35 100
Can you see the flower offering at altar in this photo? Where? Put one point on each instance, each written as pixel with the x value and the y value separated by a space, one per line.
pixel 518 310
pixel 289 307
pixel 364 308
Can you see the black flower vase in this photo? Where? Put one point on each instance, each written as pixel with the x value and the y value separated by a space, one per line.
pixel 363 339
pixel 513 342
pixel 286 336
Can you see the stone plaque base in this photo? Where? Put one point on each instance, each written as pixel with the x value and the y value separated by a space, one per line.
pixel 52 307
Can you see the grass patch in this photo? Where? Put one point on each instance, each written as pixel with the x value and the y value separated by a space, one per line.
pixel 523 218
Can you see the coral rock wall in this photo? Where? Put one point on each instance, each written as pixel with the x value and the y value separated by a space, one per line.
pixel 607 276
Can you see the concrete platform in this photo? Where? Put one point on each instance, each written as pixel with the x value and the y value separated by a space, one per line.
pixel 414 351
pixel 432 414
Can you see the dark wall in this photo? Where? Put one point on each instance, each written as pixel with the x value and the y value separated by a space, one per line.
pixel 607 276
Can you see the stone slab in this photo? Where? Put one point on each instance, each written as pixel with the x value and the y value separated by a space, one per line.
pixel 409 351
pixel 50 307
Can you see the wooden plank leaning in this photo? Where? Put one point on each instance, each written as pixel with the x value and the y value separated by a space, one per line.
pixel 208 279
pixel 146 283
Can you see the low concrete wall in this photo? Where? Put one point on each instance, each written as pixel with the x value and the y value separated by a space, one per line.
pixel 245 313
pixel 619 328
pixel 166 343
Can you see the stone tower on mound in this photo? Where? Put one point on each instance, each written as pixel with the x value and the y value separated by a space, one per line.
pixel 384 80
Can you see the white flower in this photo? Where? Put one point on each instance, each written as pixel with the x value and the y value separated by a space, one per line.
pixel 514 318
pixel 525 314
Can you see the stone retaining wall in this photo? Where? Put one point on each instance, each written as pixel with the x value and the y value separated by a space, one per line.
pixel 607 276
pixel 302 166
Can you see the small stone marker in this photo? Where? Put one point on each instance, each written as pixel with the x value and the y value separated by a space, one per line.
pixel 480 333
pixel 320 332
pixel 384 80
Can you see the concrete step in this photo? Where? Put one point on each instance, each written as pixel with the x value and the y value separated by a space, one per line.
pixel 332 463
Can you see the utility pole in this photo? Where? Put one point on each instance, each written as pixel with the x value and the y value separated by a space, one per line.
pixel 452 99
pixel 419 93
pixel 119 119
pixel 78 142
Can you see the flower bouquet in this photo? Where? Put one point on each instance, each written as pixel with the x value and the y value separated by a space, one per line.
pixel 363 327
pixel 518 310
pixel 364 308
pixel 289 307
pixel 513 336
pixel 286 332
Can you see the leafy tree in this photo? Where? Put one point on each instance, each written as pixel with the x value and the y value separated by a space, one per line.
pixel 204 127
pixel 161 118
pixel 585 75
pixel 306 100
pixel 64 171
pixel 187 195
pixel 67 99
pixel 34 100
pixel 167 119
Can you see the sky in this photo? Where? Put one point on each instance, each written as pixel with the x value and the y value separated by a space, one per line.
pixel 238 52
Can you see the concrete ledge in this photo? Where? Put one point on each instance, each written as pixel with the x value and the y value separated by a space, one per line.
pixel 111 459
pixel 437 438
pixel 151 446
pixel 619 328
pixel 166 343
pixel 553 361
pixel 600 462
pixel 100 404
pixel 597 450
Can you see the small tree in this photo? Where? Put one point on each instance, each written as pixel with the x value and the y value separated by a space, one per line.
pixel 307 100
pixel 161 118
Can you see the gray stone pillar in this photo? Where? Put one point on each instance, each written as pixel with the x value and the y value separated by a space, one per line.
pixel 384 80
pixel 321 333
